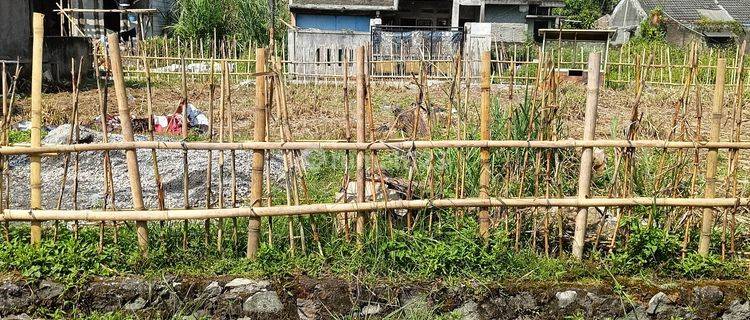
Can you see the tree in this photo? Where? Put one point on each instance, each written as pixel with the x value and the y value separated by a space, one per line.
pixel 583 13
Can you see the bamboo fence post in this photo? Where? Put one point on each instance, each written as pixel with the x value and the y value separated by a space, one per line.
pixel 36 124
pixel 713 156
pixel 259 134
pixel 127 134
pixel 484 162
pixel 589 130
pixel 360 169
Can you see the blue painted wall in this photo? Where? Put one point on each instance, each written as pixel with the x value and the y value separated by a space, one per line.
pixel 332 22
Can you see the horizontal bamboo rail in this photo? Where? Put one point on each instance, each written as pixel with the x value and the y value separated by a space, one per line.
pixel 326 208
pixel 382 145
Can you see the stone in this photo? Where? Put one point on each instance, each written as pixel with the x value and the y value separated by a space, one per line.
pixel 138 304
pixel 49 290
pixel 638 314
pixel 60 135
pixel 737 311
pixel 247 286
pixel 371 310
pixel 22 316
pixel 523 301
pixel 212 289
pixel 263 302
pixel 14 298
pixel 708 294
pixel 659 303
pixel 566 298
pixel 239 282
pixel 307 309
pixel 468 311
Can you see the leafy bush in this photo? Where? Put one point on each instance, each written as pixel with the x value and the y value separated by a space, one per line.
pixel 246 19
pixel 646 248
pixel 653 29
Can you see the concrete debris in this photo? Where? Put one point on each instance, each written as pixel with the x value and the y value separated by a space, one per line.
pixel 201 67
pixel 566 298
pixel 91 172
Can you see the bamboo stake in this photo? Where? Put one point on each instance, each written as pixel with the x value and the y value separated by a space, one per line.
pixel 360 169
pixel 222 117
pixel 348 133
pixel 484 162
pixel 36 124
pixel 259 134
pixel 75 81
pixel 736 136
pixel 185 169
pixel 209 169
pixel 697 137
pixel 154 158
pixel 127 133
pixel 107 164
pixel 3 142
pixel 713 156
pixel 589 132
pixel 232 154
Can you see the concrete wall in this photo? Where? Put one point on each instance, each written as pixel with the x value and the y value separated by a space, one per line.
pixel 319 52
pixel 58 52
pixel 162 18
pixel 15 29
pixel 508 22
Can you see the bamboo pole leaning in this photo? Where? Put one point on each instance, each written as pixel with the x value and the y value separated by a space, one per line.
pixel 127 135
pixel 106 163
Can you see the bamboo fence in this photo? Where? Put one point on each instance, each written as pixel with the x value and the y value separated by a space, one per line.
pixel 511 63
pixel 270 99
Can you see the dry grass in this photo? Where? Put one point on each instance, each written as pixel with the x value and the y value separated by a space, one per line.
pixel 317 111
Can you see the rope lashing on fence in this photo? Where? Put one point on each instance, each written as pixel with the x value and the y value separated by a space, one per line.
pixel 398 145
pixel 194 214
